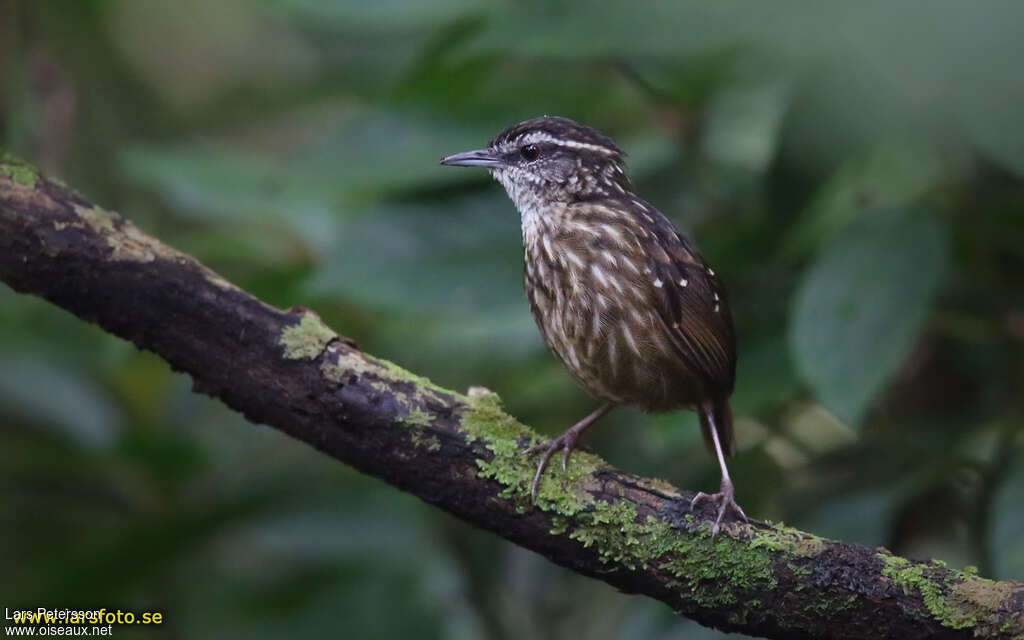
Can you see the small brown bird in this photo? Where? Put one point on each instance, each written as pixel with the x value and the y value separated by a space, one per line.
pixel 626 303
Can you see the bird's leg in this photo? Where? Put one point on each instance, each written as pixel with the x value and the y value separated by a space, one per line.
pixel 725 498
pixel 566 442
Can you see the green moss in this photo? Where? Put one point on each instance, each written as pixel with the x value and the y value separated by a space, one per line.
pixel 395 373
pixel 19 171
pixel 810 546
pixel 425 441
pixel 729 570
pixel 1010 622
pixel 101 220
pixel 387 377
pixel 979 594
pixel 827 607
pixel 336 367
pixel 712 572
pixel 717 571
pixel 562 492
pixel 306 340
pixel 487 420
pixel 787 539
pixel 957 600
pixel 799 572
pixel 127 242
pixel 418 418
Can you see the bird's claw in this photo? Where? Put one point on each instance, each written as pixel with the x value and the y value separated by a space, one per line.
pixel 725 499
pixel 566 442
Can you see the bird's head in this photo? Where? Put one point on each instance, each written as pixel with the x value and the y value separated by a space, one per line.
pixel 550 160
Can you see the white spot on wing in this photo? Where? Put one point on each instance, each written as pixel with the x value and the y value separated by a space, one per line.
pixel 683 282
pixel 658 283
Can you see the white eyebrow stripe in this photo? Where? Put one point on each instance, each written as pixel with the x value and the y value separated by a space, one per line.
pixel 540 136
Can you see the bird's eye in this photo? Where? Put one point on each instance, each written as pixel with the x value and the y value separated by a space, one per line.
pixel 529 152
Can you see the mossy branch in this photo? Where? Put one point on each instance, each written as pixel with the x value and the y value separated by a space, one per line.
pixel 462 453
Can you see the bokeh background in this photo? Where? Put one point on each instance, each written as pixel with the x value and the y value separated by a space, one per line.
pixel 855 172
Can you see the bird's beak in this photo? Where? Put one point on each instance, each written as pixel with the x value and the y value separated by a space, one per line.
pixel 477 158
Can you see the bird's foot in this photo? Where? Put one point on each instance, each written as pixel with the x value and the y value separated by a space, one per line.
pixel 566 442
pixel 725 499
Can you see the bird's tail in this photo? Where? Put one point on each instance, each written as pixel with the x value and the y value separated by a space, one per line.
pixel 716 414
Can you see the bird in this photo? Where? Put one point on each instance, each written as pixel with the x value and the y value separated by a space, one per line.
pixel 620 296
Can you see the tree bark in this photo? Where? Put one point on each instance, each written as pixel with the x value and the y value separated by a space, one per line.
pixel 462 453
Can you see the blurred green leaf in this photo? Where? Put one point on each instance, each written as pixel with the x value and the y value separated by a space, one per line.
pixel 764 377
pixel 862 304
pixel 203 184
pixel 861 517
pixel 194 51
pixel 379 152
pixel 669 28
pixel 1007 527
pixel 355 160
pixel 52 396
pixel 888 176
pixel 383 15
pixel 355 553
pixel 452 256
pixel 998 134
pixel 743 124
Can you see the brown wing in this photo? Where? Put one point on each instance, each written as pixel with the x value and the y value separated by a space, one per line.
pixel 695 311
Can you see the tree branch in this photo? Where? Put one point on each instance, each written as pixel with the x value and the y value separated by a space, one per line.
pixel 462 453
